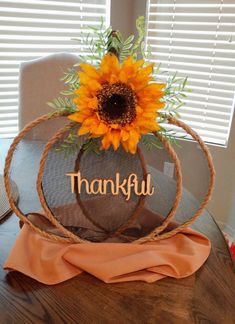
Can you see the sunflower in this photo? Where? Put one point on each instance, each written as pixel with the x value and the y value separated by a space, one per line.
pixel 117 102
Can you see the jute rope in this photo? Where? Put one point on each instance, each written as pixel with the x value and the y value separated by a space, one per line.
pixel 69 237
pixel 154 235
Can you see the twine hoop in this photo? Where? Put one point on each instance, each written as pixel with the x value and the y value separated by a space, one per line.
pixel 69 237
pixel 154 235
pixel 136 212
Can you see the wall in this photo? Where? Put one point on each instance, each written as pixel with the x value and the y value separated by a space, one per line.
pixel 222 205
pixel 123 16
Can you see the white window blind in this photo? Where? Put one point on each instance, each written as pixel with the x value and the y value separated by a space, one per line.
pixel 196 38
pixel 33 28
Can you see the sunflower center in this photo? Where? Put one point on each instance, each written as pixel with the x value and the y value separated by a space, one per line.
pixel 116 104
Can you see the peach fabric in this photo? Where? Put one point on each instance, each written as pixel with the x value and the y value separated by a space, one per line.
pixel 50 262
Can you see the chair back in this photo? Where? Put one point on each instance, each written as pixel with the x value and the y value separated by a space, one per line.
pixel 39 82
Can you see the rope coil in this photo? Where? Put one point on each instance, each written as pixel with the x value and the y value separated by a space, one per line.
pixel 68 236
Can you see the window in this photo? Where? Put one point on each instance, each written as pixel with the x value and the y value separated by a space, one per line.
pixel 33 28
pixel 196 38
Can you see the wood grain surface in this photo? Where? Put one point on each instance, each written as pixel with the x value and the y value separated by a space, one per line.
pixel 205 297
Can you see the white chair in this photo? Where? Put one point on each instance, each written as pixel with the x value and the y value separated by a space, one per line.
pixel 39 82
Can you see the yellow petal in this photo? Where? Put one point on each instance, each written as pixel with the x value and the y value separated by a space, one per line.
pixel 115 138
pixel 101 129
pixel 124 135
pixel 94 86
pixel 109 64
pixel 154 106
pixel 139 63
pixel 91 84
pixel 134 135
pixel 133 141
pixel 83 130
pixel 78 116
pixel 125 146
pixel 90 70
pixel 152 115
pixel 142 77
pixel 92 103
pixel 91 121
pixel 113 78
pixel 157 86
pixel 150 126
pixel 132 146
pixel 152 91
pixel 84 79
pixel 83 91
pixel 74 117
pixel 123 77
pixel 139 110
pixel 105 142
pixel 129 69
pixel 128 61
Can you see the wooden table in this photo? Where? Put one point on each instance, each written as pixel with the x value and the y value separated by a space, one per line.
pixel 205 297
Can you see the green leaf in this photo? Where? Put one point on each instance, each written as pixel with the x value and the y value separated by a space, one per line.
pixel 140 26
pixel 150 141
pixel 72 143
pixel 60 105
pixel 67 92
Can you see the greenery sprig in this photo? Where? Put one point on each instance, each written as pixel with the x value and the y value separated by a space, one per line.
pixel 96 42
pixel 62 105
pixel 72 143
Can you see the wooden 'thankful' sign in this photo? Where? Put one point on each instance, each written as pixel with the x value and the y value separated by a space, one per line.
pixel 100 186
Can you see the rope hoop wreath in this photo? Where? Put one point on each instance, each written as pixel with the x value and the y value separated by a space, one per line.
pixel 67 235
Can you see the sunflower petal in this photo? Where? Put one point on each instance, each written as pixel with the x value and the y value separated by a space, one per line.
pixel 90 70
pixel 92 103
pixel 82 91
pixel 115 137
pixel 90 83
pixel 132 145
pixel 101 129
pixel 105 142
pixel 83 130
pixel 109 64
pixel 75 117
pixel 79 117
pixel 123 77
pixel 125 146
pixel 124 135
